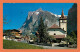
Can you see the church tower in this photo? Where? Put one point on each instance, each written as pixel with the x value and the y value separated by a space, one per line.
pixel 63 22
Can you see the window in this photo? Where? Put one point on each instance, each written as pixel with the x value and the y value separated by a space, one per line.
pixel 54 33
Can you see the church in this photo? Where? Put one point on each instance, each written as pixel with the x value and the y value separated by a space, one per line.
pixel 60 31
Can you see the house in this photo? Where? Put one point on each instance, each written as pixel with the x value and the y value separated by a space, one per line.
pixel 60 31
pixel 5 36
pixel 16 33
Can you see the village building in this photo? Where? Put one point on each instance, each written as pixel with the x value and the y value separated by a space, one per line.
pixel 16 33
pixel 60 31
pixel 12 34
pixel 5 36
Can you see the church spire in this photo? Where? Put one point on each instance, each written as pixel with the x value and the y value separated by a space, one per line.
pixel 62 15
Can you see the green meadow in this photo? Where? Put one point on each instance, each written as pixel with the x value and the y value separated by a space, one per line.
pixel 7 44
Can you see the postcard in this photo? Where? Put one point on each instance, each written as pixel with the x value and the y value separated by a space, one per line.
pixel 39 26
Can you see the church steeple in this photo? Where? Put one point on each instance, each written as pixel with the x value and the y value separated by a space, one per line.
pixel 63 22
pixel 62 15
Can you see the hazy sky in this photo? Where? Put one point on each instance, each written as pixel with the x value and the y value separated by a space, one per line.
pixel 16 13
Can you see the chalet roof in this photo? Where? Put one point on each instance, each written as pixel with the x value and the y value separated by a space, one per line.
pixel 54 26
pixel 15 30
pixel 58 36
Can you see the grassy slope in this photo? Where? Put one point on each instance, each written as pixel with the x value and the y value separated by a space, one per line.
pixel 18 45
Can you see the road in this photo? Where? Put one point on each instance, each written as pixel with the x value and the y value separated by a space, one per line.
pixel 50 47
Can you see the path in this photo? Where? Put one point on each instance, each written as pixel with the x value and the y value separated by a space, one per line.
pixel 50 47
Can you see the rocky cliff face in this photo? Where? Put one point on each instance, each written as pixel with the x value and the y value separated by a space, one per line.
pixel 33 18
pixel 72 19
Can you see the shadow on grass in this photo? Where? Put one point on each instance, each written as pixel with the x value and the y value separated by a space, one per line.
pixel 62 45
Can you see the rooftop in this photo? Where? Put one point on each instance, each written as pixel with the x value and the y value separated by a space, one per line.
pixel 62 15
pixel 54 26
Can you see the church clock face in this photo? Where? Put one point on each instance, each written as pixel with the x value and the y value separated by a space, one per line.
pixel 60 20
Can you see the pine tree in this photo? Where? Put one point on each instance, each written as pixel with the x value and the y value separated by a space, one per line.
pixel 42 29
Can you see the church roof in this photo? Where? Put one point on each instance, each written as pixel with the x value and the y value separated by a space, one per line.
pixel 54 26
pixel 62 15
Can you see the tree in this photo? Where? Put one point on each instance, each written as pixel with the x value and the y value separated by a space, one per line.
pixel 74 36
pixel 42 29
pixel 71 38
pixel 5 20
pixel 51 38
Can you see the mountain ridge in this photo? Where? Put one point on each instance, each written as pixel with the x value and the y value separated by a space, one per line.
pixel 32 20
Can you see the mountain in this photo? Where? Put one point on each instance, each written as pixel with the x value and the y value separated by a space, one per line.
pixel 33 19
pixel 72 19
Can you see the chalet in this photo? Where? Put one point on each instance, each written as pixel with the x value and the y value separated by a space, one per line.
pixel 16 33
pixel 12 34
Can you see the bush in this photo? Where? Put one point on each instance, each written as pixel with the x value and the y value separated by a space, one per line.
pixel 71 39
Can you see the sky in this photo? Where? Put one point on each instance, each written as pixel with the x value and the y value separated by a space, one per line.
pixel 16 13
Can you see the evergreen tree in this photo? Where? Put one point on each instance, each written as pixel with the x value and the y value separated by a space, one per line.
pixel 42 29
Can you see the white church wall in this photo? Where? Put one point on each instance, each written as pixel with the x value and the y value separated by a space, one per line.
pixel 56 31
